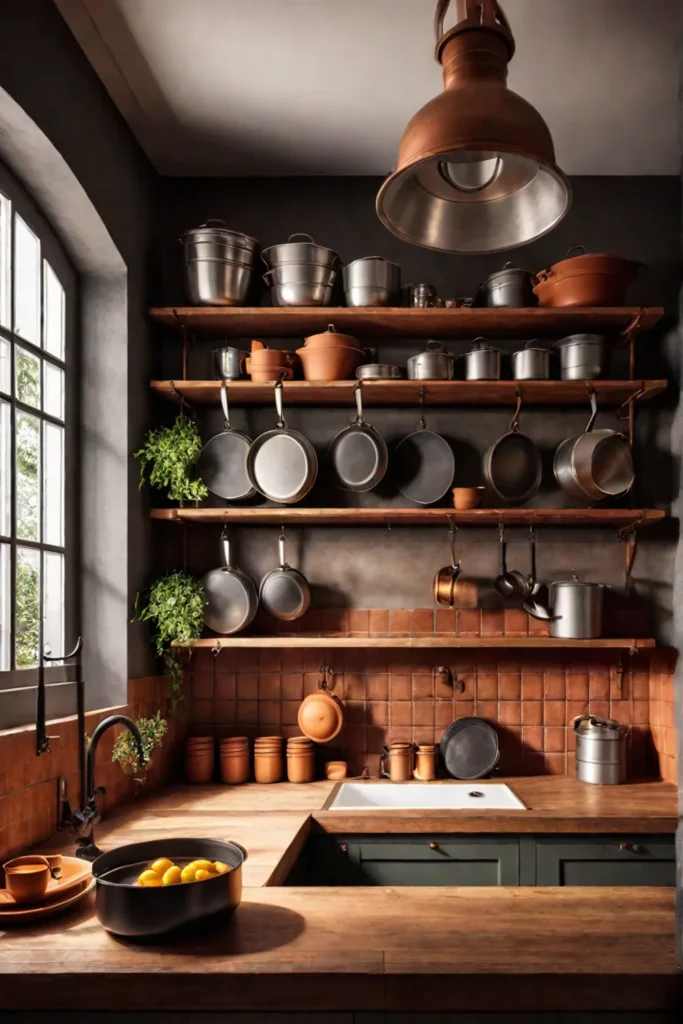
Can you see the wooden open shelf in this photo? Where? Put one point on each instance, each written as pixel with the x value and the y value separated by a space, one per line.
pixel 398 323
pixel 397 642
pixel 407 392
pixel 616 517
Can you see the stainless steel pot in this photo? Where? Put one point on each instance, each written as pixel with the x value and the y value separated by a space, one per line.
pixel 510 287
pixel 300 252
pixel 219 251
pixel 582 356
pixel 576 609
pixel 229 362
pixel 284 592
pixel 216 232
pixel 419 296
pixel 482 362
pixel 432 364
pixel 371 281
pixel 531 362
pixel 596 464
pixel 216 282
pixel 378 371
pixel 600 750
pixel 301 284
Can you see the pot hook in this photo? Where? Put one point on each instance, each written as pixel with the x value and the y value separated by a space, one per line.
pixel 514 422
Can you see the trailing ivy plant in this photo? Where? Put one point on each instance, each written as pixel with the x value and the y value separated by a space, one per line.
pixel 152 731
pixel 167 458
pixel 175 608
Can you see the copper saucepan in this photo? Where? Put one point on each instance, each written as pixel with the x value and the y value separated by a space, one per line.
pixel 451 590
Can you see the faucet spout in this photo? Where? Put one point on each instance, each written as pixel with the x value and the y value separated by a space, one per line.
pixel 99 731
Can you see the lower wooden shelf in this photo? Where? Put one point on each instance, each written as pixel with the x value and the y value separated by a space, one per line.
pixel 397 642
pixel 617 517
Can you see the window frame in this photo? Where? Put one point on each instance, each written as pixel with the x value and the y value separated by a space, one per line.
pixel 21 681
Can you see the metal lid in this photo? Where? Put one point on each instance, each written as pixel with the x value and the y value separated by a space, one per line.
pixel 578 584
pixel 509 270
pixel 597 727
pixel 580 339
pixel 482 345
pixel 218 231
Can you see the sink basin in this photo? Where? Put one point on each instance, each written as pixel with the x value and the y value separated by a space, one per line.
pixel 426 796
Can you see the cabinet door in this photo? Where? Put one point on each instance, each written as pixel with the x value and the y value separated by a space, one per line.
pixel 606 860
pixel 414 860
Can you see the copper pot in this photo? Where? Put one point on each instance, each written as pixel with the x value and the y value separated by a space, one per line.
pixel 588 279
pixel 451 590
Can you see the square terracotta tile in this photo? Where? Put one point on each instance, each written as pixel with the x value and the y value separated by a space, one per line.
pixel 516 622
pixel 537 627
pixel 333 622
pixel 377 686
pixel 378 712
pixel 493 622
pixel 202 687
pixel 509 685
pixel 576 708
pixel 225 712
pixel 422 623
pixel 443 686
pixel 555 739
pixel 577 686
pixel 246 711
pixel 487 709
pixel 355 686
pixel 598 686
pixel 355 738
pixel 556 764
pixel 554 685
pixel 487 686
pixel 510 712
pixel 423 713
pixel 598 707
pixel 400 687
pixel 532 712
pixel 357 621
pixel 269 686
pixel 247 686
pixel 292 685
pixel 226 686
pixel 463 709
pixel 311 683
pixel 445 621
pixel 401 734
pixel 354 712
pixel 640 684
pixel 269 659
pixel 400 622
pixel 532 736
pixel 290 710
pixel 400 713
pixel 269 712
pixel 469 622
pixel 641 712
pixel 622 710
pixel 292 659
pixel 443 713
pixel 532 685
pixel 554 712
pixel 465 686
pixel 422 687
pixel 378 622
pixel 246 659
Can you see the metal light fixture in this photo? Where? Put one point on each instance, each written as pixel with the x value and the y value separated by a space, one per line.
pixel 476 166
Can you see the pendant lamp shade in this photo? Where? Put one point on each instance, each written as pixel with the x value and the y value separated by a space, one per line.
pixel 476 165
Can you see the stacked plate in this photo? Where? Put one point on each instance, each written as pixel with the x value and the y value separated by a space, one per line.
pixel 300 273
pixel 219 264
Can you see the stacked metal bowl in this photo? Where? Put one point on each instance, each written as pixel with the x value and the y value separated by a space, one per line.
pixel 300 273
pixel 219 264
pixel 372 281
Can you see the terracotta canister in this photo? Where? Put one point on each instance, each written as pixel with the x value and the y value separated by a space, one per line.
pixel 425 762
pixel 199 758
pixel 336 769
pixel 234 760
pixel 266 365
pixel 399 759
pixel 269 763
pixel 300 759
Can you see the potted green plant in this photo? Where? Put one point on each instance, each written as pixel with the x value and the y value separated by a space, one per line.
pixel 175 608
pixel 152 731
pixel 167 458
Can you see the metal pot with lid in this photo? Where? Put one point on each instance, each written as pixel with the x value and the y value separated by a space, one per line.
pixel 531 362
pixel 511 287
pixel 432 364
pixel 482 362
pixel 600 750
pixel 575 609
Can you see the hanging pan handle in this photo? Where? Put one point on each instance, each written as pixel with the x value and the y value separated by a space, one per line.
pixel 281 423
pixel 360 420
pixel 594 409
pixel 514 422
pixel 573 248
pixel 224 405
pixel 281 548
pixel 453 529
pixel 225 547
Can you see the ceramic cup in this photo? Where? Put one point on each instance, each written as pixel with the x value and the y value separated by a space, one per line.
pixel 467 497
pixel 26 878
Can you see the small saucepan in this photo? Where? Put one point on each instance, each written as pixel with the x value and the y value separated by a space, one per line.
pixel 133 911
pixel 445 579
pixel 284 592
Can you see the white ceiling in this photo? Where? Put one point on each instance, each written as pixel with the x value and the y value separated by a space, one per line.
pixel 326 86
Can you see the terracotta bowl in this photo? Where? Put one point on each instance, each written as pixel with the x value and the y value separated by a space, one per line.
pixel 336 770
pixel 337 362
pixel 467 497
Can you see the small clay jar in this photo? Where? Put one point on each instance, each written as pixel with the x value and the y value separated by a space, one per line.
pixel 336 769
pixel 399 758
pixel 199 759
pixel 425 762
pixel 301 766
pixel 234 764
pixel 268 759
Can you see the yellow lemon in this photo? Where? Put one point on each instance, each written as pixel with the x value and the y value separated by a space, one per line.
pixel 161 866
pixel 220 867
pixel 172 876
pixel 149 878
pixel 188 873
pixel 205 865
pixel 202 873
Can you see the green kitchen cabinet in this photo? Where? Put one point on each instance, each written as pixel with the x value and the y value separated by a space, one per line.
pixel 434 860
pixel 605 860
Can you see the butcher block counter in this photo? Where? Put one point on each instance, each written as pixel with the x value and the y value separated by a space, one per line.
pixel 385 949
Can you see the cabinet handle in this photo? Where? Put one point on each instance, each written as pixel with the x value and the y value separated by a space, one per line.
pixel 433 846
pixel 631 847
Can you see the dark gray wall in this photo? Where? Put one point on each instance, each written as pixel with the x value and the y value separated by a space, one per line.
pixel 45 72
pixel 635 217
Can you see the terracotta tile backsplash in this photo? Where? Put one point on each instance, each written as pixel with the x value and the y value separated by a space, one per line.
pixel 531 696
pixel 29 786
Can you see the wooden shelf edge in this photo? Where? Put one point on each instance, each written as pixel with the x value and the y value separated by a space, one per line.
pixel 527 642
pixel 616 517
pixel 400 322
pixel 406 392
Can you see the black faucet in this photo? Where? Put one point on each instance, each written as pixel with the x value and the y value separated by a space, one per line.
pixel 83 820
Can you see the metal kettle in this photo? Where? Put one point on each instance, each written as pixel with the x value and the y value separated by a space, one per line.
pixel 600 750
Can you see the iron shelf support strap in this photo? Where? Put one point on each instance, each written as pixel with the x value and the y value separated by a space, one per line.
pixel 188 339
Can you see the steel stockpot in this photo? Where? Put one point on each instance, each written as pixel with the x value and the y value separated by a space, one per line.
pixel 511 287
pixel 432 364
pixel 576 609
pixel 600 750
pixel 531 362
pixel 582 356
pixel 482 362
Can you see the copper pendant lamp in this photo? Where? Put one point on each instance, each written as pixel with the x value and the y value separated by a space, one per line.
pixel 476 166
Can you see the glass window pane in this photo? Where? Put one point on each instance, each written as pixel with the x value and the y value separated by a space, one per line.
pixel 26 377
pixel 53 484
pixel 27 476
pixel 26 282
pixel 5 659
pixel 5 260
pixel 53 390
pixel 5 468
pixel 53 601
pixel 53 328
pixel 27 615
pixel 5 365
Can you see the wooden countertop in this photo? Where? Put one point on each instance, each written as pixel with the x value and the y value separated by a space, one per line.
pixel 305 949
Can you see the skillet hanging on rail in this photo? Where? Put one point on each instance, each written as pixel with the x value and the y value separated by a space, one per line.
pixel 425 463
pixel 358 454
pixel 222 462
pixel 282 464
pixel 512 466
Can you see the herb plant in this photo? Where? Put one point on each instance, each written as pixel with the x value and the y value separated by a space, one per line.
pixel 167 458
pixel 152 731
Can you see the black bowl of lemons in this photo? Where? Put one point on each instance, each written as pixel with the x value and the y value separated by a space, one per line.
pixel 152 888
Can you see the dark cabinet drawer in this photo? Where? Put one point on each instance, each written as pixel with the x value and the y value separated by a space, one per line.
pixel 606 860
pixel 393 861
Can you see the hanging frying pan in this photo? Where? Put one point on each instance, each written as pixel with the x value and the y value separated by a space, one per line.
pixel 512 465
pixel 231 598
pixel 222 462
pixel 284 592
pixel 358 454
pixel 282 464
pixel 425 463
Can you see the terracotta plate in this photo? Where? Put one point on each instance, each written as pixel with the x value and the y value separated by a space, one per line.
pixel 26 914
pixel 74 872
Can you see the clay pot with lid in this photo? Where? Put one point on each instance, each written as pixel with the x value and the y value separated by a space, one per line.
pixel 330 356
pixel 321 714
pixel 586 279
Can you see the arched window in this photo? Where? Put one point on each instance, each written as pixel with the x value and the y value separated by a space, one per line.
pixel 38 453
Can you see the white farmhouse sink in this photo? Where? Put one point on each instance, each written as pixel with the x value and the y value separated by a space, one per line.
pixel 426 796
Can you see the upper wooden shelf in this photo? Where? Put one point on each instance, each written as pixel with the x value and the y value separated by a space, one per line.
pixel 396 323
pixel 407 392
pixel 617 517
pixel 397 642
